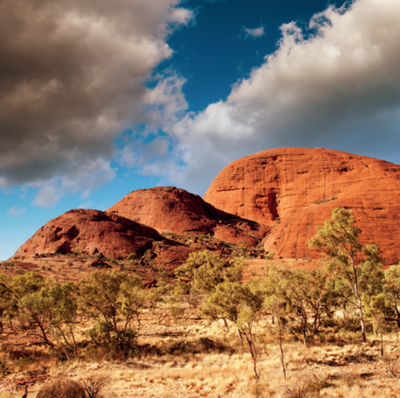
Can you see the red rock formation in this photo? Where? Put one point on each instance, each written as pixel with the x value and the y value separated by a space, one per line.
pixel 296 189
pixel 90 232
pixel 170 209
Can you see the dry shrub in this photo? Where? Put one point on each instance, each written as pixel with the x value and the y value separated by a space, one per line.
pixel 349 378
pixel 62 388
pixel 392 366
pixel 94 384
pixel 305 386
pixel 197 346
pixel 258 390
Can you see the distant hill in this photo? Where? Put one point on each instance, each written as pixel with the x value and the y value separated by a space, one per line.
pixel 273 199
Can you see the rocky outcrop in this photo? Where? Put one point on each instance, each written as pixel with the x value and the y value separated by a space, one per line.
pixel 295 189
pixel 90 232
pixel 174 210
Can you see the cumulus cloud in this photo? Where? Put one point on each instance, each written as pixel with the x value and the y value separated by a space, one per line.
pixel 86 176
pixel 71 79
pixel 255 33
pixel 336 85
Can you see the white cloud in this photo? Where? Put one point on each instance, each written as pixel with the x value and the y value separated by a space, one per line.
pixel 16 211
pixel 338 87
pixel 86 205
pixel 255 33
pixel 86 176
pixel 47 196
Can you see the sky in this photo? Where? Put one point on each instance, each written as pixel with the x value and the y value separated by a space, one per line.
pixel 101 98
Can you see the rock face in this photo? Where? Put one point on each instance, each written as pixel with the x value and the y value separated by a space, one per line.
pixel 295 189
pixel 170 209
pixel 90 232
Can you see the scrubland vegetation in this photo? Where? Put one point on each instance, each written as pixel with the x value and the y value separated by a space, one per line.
pixel 331 332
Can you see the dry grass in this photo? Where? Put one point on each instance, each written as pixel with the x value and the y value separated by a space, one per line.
pixel 199 360
pixel 94 384
pixel 62 388
pixel 191 358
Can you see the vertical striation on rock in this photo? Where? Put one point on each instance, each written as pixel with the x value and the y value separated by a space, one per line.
pixel 295 189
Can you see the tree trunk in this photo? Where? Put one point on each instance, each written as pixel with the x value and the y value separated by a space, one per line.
pixel 397 315
pixel 360 307
pixel 281 349
pixel 45 338
pixel 364 337
pixel 253 353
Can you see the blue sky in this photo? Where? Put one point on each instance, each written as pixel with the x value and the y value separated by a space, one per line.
pixel 102 98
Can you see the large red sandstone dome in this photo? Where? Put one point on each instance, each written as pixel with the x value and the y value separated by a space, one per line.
pixel 295 189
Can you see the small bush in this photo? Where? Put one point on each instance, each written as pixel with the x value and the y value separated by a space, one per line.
pixel 392 366
pixel 94 384
pixel 62 388
pixel 132 256
pixel 305 386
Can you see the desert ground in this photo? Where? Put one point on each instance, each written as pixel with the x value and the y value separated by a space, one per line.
pixel 179 354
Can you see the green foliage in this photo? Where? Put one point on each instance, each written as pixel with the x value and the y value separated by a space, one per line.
pixel 132 256
pixel 5 299
pixel 35 302
pixel 392 289
pixel 65 307
pixel 241 304
pixel 269 256
pixel 233 301
pixel 306 296
pixel 110 297
pixel 30 303
pixel 357 268
pixel 325 200
pixel 203 272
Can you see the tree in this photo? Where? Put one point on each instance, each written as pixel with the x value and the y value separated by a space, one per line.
pixel 39 303
pixel 392 288
pixel 357 267
pixel 241 304
pixel 376 308
pixel 203 272
pixel 110 297
pixel 277 306
pixel 276 302
pixel 308 297
pixel 63 298
pixel 5 300
pixel 30 302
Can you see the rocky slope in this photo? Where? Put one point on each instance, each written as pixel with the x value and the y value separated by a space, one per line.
pixel 174 210
pixel 90 232
pixel 295 189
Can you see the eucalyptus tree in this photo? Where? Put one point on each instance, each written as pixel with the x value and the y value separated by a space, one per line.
pixel 357 268
pixel 114 300
pixel 392 288
pixel 308 296
pixel 203 271
pixel 241 304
